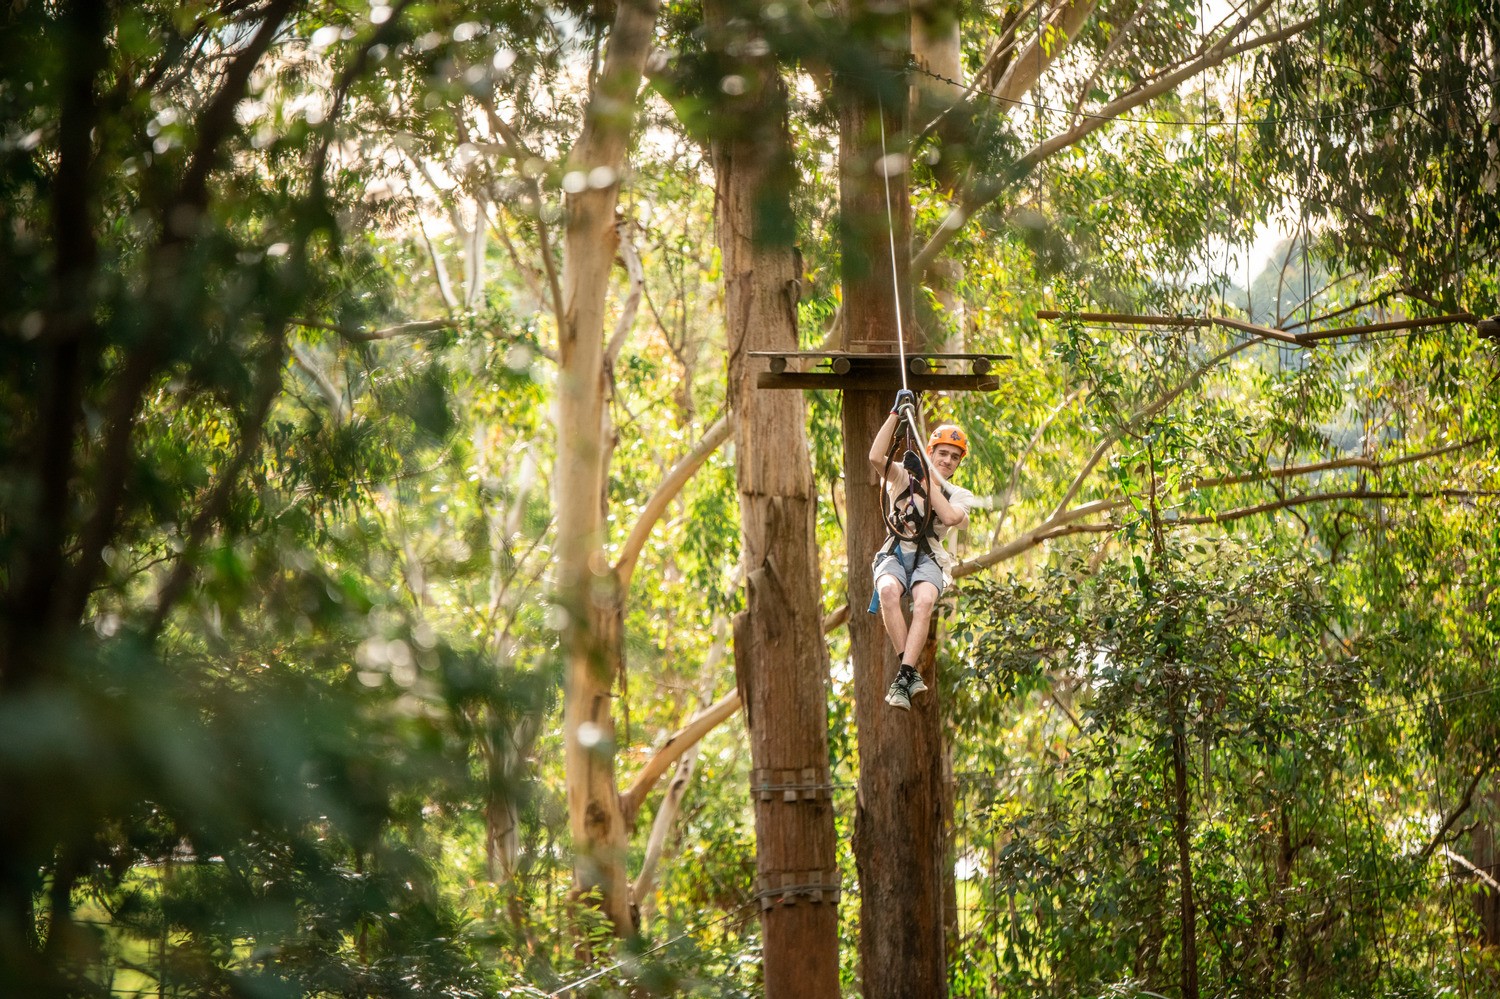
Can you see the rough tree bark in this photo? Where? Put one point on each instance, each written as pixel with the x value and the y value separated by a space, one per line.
pixel 898 839
pixel 1487 858
pixel 586 589
pixel 1187 910
pixel 781 662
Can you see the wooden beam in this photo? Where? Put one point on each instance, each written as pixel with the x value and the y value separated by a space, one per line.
pixel 877 381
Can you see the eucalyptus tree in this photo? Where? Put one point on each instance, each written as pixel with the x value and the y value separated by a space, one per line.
pixel 220 729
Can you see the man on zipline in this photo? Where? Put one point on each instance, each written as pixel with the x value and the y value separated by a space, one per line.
pixel 916 563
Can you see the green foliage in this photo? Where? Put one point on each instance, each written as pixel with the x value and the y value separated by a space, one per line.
pixel 279 682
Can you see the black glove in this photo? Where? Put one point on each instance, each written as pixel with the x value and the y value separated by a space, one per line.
pixel 905 397
pixel 913 465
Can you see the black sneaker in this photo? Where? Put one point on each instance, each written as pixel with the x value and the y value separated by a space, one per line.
pixel 899 695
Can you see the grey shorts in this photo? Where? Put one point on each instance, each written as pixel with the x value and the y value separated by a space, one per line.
pixel 925 571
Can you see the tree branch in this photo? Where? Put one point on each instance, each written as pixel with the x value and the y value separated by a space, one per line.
pixel 528 273
pixel 1069 523
pixel 1459 808
pixel 326 388
pixel 385 33
pixel 142 363
pixel 358 334
pixel 661 827
pixel 702 723
pixel 439 269
pixel 1145 413
pixel 1042 51
pixel 522 155
pixel 217 116
pixel 670 486
pixel 1213 56
pixel 1477 871
pixel 268 384
pixel 632 304
pixel 1370 464
pixel 1289 502
pixel 1003 505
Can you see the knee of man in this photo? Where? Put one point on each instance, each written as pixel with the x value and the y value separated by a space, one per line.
pixel 923 599
pixel 890 588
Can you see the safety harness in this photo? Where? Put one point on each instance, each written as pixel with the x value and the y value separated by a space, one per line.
pixel 904 521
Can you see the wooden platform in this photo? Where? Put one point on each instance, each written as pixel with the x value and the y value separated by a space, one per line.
pixel 925 372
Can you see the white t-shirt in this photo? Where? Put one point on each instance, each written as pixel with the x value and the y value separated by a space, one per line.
pixel 958 497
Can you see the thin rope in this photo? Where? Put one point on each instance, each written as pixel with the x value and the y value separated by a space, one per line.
pixel 890 231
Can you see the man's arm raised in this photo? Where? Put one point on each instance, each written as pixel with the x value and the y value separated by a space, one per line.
pixel 951 514
pixel 882 442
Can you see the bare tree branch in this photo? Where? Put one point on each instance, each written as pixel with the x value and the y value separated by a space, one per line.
pixel 326 388
pixel 528 273
pixel 1460 807
pixel 1477 871
pixel 670 486
pixel 661 827
pixel 1332 464
pixel 702 723
pixel 358 334
pixel 1288 502
pixel 439 269
pixel 1042 51
pixel 1070 522
pixel 523 156
pixel 632 304
pixel 1009 36
pixel 1003 505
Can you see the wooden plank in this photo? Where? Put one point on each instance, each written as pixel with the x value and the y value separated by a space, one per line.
pixel 878 381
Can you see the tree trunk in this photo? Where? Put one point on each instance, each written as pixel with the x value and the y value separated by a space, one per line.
pixel 898 839
pixel 781 661
pixel 586 591
pixel 1487 858
pixel 1188 908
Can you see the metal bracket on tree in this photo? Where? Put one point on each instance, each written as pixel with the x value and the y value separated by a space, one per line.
pixel 792 887
pixel 794 785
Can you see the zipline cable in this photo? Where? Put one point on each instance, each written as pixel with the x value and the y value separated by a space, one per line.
pixel 914 523
pixel 890 231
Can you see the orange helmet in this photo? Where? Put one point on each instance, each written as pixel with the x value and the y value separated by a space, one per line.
pixel 951 435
